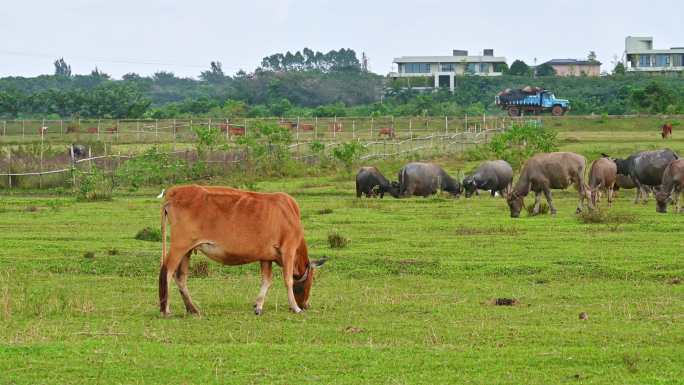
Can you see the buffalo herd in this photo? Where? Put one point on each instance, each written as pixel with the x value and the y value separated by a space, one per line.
pixel 658 171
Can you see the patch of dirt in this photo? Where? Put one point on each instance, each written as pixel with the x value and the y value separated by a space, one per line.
pixel 583 316
pixel 675 281
pixel 487 231
pixel 353 330
pixel 504 302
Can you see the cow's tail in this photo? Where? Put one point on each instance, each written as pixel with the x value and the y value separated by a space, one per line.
pixel 163 234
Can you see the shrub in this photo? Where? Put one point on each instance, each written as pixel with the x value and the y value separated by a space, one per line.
pixel 94 186
pixel 601 215
pixel 543 209
pixel 337 241
pixel 200 269
pixel 325 211
pixel 88 255
pixel 151 168
pixel 522 141
pixel 348 153
pixel 149 234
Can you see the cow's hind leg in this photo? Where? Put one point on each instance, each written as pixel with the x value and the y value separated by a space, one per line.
pixel 168 269
pixel 266 280
pixel 181 277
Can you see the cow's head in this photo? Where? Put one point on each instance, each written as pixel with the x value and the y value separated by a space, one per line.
pixel 393 189
pixel 515 204
pixel 469 186
pixel 622 166
pixel 662 199
pixel 302 283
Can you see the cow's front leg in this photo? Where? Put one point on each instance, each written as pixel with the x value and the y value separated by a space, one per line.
pixel 549 200
pixel 266 280
pixel 537 202
pixel 288 272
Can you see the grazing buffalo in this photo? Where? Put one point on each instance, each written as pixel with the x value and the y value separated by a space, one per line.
pixel 646 168
pixel 602 176
pixel 79 151
pixel 424 179
pixel 626 182
pixel 387 131
pixel 371 182
pixel 494 175
pixel 666 130
pixel 543 172
pixel 235 227
pixel 672 184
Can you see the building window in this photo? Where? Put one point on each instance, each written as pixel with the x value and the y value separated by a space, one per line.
pixel 644 60
pixel 484 68
pixel 662 60
pixel 677 60
pixel 448 67
pixel 417 68
pixel 471 68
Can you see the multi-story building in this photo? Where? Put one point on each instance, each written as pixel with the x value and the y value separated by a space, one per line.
pixel 442 69
pixel 641 57
pixel 574 67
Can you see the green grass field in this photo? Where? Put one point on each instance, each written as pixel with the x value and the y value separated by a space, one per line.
pixel 410 300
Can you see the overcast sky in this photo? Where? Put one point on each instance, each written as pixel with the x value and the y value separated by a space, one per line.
pixel 145 36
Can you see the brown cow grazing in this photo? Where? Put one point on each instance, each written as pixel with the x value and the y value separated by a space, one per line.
pixel 93 130
pixel 236 130
pixel 602 176
pixel 543 172
pixel 306 127
pixel 387 131
pixel 673 183
pixel 235 227
pixel 666 130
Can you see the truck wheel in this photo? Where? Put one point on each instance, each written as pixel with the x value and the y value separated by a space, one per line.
pixel 513 111
pixel 557 111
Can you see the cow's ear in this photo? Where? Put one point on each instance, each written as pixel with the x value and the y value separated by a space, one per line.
pixel 319 263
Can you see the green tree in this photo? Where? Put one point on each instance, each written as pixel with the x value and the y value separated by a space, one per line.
pixel 519 68
pixel 619 69
pixel 214 74
pixel 62 68
pixel 591 57
pixel 545 69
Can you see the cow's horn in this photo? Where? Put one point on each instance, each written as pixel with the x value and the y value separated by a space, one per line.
pixel 319 263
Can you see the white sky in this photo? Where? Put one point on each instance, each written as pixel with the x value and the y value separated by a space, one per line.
pixel 143 36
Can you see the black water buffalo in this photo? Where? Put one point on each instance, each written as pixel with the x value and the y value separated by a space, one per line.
pixel 543 172
pixel 672 184
pixel 424 179
pixel 79 151
pixel 492 175
pixel 646 168
pixel 626 182
pixel 371 182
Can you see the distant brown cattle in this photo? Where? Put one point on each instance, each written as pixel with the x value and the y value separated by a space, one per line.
pixel 93 130
pixel 223 127
pixel 235 227
pixel 113 129
pixel 42 130
pixel 236 130
pixel 666 130
pixel 387 131
pixel 288 125
pixel 336 127
pixel 306 127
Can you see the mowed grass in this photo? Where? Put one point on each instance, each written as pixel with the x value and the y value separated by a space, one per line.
pixel 409 299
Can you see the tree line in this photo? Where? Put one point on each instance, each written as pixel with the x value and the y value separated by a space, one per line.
pixel 335 84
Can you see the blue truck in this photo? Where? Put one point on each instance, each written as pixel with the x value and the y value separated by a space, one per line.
pixel 531 100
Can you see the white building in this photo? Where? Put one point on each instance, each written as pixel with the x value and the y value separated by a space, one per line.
pixel 641 57
pixel 443 69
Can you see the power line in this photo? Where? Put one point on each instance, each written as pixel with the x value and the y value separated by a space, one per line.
pixel 101 60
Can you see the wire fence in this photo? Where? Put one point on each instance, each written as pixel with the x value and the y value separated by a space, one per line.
pixel 307 129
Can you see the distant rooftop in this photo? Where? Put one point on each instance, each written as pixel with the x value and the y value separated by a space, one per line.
pixel 572 62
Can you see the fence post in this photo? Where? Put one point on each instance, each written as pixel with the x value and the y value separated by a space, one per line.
pixel 245 127
pixel 297 131
pixel 334 128
pixel 353 129
pixel 466 123
pixel 9 166
pixel 98 129
pixel 73 167
pixel 156 129
pixel 174 135
pixel 371 127
pixel 42 139
pixel 4 128
pixel 22 128
pixel 61 127
pixel 315 127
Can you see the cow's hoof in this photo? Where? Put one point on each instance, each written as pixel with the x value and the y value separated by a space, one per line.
pixel 296 310
pixel 165 314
